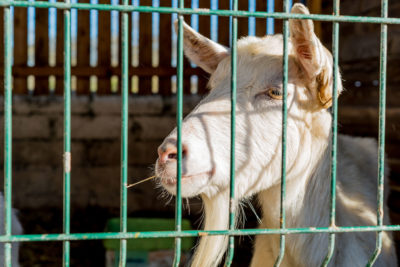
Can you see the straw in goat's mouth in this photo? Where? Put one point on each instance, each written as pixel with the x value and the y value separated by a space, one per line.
pixel 142 181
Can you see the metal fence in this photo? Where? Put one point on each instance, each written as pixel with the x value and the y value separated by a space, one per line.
pixel 233 13
pixel 95 62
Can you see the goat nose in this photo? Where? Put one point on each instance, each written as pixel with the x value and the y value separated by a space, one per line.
pixel 168 152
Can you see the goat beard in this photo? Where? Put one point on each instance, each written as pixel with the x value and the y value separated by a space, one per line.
pixel 211 249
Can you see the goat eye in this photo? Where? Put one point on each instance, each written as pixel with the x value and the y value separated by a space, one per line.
pixel 275 93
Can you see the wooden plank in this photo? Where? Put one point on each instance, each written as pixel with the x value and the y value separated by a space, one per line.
pixel 165 49
pixel 223 24
pixel 41 49
pixel 83 49
pixel 261 27
pixel 278 22
pixel 20 47
pixel 60 50
pixel 104 49
pixel 186 62
pixel 145 47
pixel 243 22
pixel 2 44
pixel 204 29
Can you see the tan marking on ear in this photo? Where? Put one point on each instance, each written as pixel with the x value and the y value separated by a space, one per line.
pixel 324 88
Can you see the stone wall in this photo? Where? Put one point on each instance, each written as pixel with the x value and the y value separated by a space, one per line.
pixel 96 130
pixel 95 175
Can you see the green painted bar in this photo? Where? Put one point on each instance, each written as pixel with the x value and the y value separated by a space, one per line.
pixel 335 53
pixel 124 132
pixel 123 235
pixel 381 136
pixel 179 112
pixel 192 233
pixel 7 133
pixel 285 69
pixel 67 134
pixel 234 26
pixel 202 11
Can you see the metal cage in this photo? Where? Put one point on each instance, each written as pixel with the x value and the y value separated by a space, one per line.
pixel 125 8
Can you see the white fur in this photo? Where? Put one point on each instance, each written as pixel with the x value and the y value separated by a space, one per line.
pixel 206 162
pixel 16 230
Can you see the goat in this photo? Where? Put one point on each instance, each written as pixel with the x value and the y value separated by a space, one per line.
pixel 16 229
pixel 206 151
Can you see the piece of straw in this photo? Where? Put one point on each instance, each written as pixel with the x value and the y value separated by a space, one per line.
pixel 142 181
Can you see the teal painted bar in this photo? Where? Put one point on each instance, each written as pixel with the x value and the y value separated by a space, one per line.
pixel 67 134
pixel 335 53
pixel 7 133
pixel 203 11
pixel 285 70
pixel 179 115
pixel 381 136
pixel 124 132
pixel 191 233
pixel 233 41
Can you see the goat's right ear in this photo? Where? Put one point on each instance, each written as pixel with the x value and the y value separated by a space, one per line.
pixel 314 58
pixel 200 50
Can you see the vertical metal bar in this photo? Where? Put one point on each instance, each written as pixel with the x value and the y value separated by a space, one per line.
pixel 335 52
pixel 252 20
pixel 124 132
pixel 234 26
pixel 7 132
pixel 174 17
pixel 214 21
pixel 381 137
pixel 285 67
pixel 194 21
pixel 179 111
pixel 230 23
pixel 67 132
pixel 270 21
pixel 94 43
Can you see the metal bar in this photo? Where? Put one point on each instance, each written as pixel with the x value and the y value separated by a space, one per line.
pixel 179 112
pixel 214 21
pixel 233 41
pixel 202 12
pixel 251 28
pixel 67 134
pixel 335 52
pixel 7 133
pixel 193 233
pixel 381 137
pixel 270 21
pixel 285 67
pixel 124 132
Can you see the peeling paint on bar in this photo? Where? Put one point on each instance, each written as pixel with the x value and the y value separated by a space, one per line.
pixel 67 161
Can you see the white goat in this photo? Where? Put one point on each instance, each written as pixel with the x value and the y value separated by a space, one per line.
pixel 16 230
pixel 206 152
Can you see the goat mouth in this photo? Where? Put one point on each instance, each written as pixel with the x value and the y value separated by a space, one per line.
pixel 170 181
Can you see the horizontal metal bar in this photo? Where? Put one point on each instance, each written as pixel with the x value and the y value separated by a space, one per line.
pixel 191 233
pixel 201 11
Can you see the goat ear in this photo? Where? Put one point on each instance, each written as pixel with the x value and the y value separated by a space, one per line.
pixel 314 58
pixel 201 50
